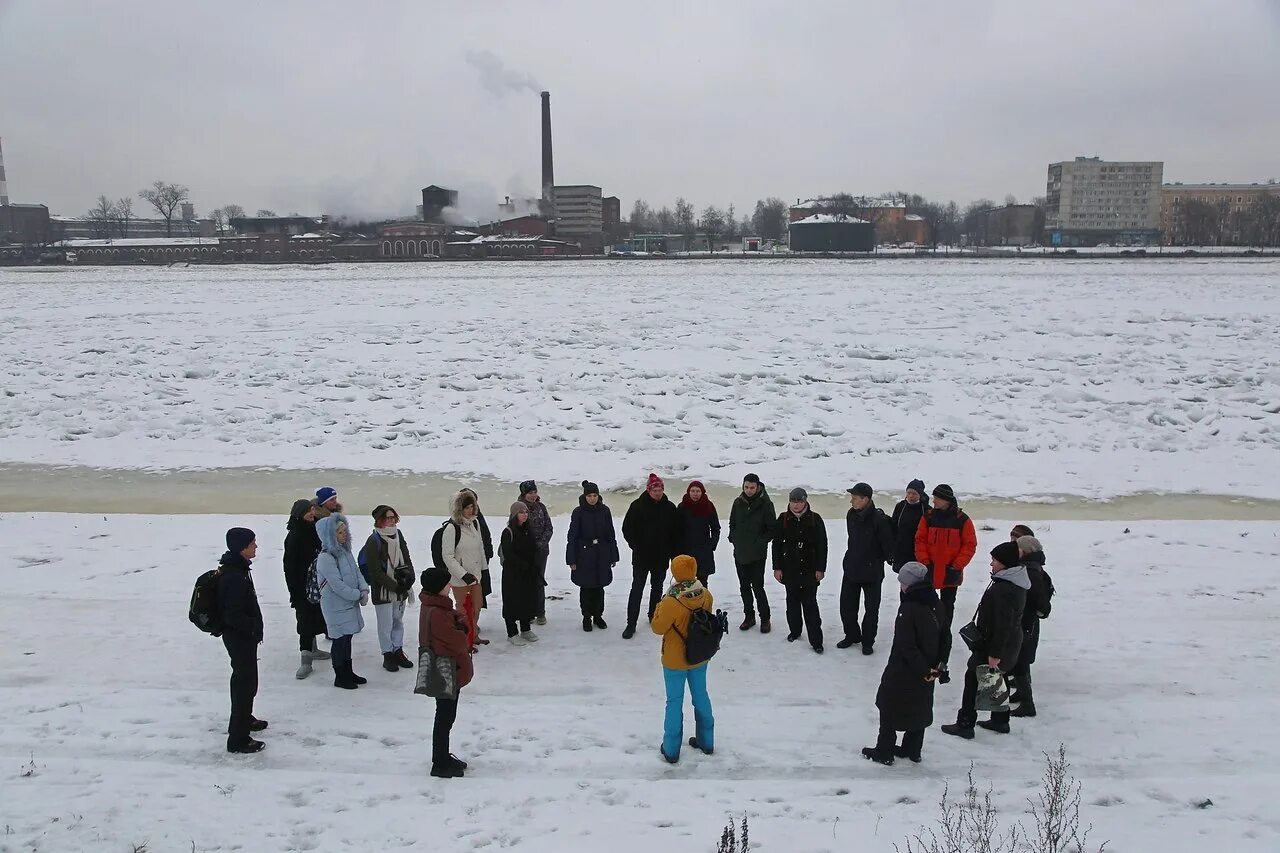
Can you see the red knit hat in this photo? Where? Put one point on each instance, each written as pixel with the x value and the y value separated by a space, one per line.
pixel 654 480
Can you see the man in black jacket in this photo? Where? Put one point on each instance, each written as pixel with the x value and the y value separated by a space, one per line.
pixel 999 623
pixel 653 530
pixel 870 547
pixel 241 634
pixel 1039 604
pixel 800 563
pixel 906 518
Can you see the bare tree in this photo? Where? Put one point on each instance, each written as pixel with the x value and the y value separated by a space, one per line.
pixel 665 221
pixel 711 223
pixel 262 211
pixel 730 221
pixel 124 214
pixel 165 198
pixel 102 216
pixel 770 219
pixel 684 220
pixel 218 217
pixel 641 217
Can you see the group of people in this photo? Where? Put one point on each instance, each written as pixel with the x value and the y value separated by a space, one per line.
pixel 928 546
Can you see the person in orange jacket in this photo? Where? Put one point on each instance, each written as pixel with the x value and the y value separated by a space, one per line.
pixel 671 622
pixel 945 542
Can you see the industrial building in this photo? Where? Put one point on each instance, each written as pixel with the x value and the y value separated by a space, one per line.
pixel 1089 201
pixel 579 216
pixel 434 200
pixel 832 232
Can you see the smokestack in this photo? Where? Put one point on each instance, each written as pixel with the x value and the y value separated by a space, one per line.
pixel 548 171
pixel 4 186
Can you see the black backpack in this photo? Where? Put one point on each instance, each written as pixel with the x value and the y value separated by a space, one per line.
pixel 204 612
pixel 437 544
pixel 706 630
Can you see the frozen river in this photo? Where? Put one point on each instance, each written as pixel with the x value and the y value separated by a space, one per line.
pixel 1015 379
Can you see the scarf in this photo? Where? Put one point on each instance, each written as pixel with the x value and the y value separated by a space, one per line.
pixel 686 589
pixel 700 508
pixel 395 557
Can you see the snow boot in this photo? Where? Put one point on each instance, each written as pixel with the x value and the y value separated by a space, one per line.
pixel 666 757
pixel 818 648
pixel 317 653
pixel 249 746
pixel 403 659
pixel 903 752
pixel 256 725
pixel 541 620
pixel 999 723
pixel 693 742
pixel 599 622
pixel 765 627
pixel 885 758
pixel 342 678
pixel 445 770
pixel 586 623
pixel 748 623
pixel 1026 709
pixel 628 632
pixel 517 640
pixel 847 643
pixel 457 762
pixel 791 638
pixel 868 648
pixel 389 662
pixel 529 636
pixel 962 727
pixel 352 675
pixel 304 668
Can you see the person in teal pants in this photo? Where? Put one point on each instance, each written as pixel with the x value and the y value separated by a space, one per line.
pixel 671 622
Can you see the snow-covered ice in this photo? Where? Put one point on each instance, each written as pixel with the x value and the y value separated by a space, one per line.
pixel 1156 670
pixel 1006 378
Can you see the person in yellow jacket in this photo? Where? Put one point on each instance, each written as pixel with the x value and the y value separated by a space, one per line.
pixel 671 622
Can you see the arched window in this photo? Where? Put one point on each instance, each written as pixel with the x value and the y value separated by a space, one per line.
pixel 399 248
pixel 435 247
pixel 386 248
pixel 423 247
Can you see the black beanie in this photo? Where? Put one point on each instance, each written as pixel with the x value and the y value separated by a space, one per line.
pixel 1006 554
pixel 918 485
pixel 942 490
pixel 434 580
pixel 590 488
pixel 239 538
pixel 528 486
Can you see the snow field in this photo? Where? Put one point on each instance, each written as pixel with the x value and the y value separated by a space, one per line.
pixel 1156 669
pixel 1015 378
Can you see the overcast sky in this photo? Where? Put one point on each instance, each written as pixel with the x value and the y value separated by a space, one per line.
pixel 353 107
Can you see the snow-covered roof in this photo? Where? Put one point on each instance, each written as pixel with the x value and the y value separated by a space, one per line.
pixel 857 202
pixel 914 217
pixel 133 242
pixel 820 218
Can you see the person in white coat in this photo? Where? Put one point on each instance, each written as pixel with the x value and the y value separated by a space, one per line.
pixel 343 591
pixel 465 560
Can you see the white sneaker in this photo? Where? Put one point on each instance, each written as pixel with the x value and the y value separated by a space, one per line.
pixel 529 637
pixel 517 640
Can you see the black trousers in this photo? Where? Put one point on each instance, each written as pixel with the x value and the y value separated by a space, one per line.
pixel 802 612
pixel 968 715
pixel 1022 677
pixel 912 739
pixel 946 612
pixel 541 566
pixel 751 585
pixel 446 713
pixel 655 574
pixel 851 593
pixel 244 686
pixel 310 623
pixel 513 629
pixel 591 601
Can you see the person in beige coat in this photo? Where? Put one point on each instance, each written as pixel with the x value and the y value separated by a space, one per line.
pixel 466 560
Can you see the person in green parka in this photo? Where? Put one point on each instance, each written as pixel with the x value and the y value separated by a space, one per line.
pixel 752 522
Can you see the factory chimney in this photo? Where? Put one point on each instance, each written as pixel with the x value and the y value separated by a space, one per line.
pixel 4 187
pixel 548 171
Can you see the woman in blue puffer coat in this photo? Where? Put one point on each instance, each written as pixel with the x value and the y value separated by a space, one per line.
pixel 592 552
pixel 343 590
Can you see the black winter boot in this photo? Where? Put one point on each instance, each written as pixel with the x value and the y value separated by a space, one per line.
pixel 628 632
pixel 403 659
pixel 352 674
pixel 847 643
pixel 389 662
pixel 999 723
pixel 693 742
pixel 342 678
pixel 586 623
pixel 765 627
pixel 962 727
pixel 445 770
pixel 249 746
pixel 874 754
pixel 748 623
pixel 1026 709
pixel 599 622
pixel 868 648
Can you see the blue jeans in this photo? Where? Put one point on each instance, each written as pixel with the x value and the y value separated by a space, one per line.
pixel 704 720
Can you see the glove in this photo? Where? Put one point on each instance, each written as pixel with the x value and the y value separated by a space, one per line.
pixel 469 579
pixel 364 597
pixel 403 589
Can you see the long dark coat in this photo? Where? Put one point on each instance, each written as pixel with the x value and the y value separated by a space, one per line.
pixel 701 536
pixel 905 699
pixel 301 545
pixel 521 584
pixel 653 531
pixel 1037 607
pixel 999 620
pixel 800 548
pixel 592 545
pixel 906 519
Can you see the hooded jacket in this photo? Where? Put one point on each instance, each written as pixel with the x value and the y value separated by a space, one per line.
pixel 540 526
pixel 999 616
pixel 301 544
pixel 468 557
pixel 905 699
pixel 592 545
pixel 752 523
pixel 653 531
pixel 945 542
pixel 340 580
pixel 672 616
pixel 443 629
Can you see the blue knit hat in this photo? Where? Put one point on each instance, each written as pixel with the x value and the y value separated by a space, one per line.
pixel 325 494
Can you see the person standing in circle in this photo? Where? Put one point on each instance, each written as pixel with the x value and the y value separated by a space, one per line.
pixel 592 554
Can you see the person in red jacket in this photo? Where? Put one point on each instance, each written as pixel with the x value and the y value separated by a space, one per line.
pixel 446 633
pixel 945 542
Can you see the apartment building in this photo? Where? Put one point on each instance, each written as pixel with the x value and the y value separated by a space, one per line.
pixel 1089 201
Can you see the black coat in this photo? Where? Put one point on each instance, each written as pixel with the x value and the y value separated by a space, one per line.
pixel 870 544
pixel 906 518
pixel 999 621
pixel 521 583
pixel 592 545
pixel 485 537
pixel 301 545
pixel 905 699
pixel 800 548
pixel 701 535
pixel 653 531
pixel 238 600
pixel 1037 607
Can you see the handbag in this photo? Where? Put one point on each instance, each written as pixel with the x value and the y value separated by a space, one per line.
pixel 972 636
pixel 437 674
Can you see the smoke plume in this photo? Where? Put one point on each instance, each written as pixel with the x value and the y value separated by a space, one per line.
pixel 497 77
